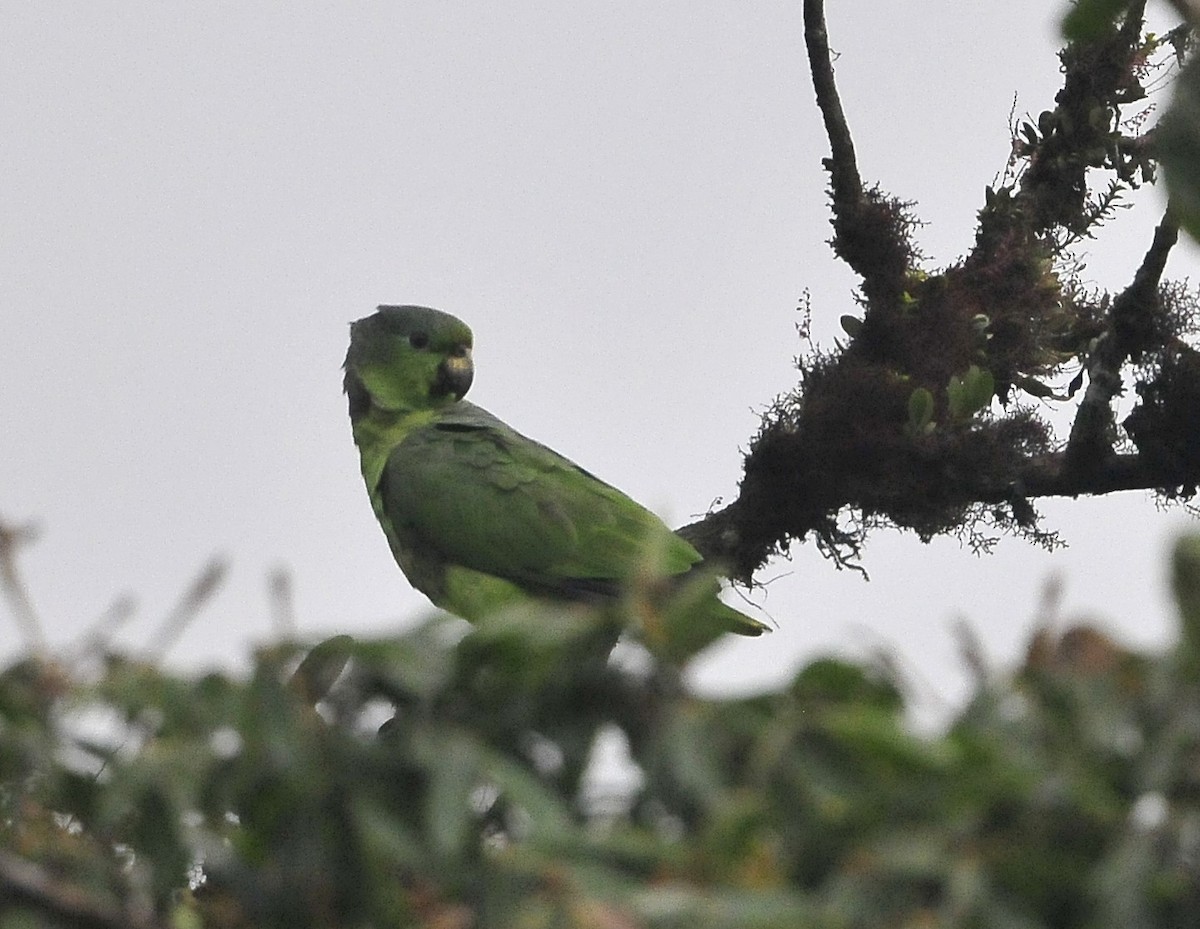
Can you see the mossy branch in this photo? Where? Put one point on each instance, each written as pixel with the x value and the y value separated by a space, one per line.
pixel 898 427
pixel 870 228
pixel 1132 327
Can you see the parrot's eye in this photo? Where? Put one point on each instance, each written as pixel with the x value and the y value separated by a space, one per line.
pixel 418 340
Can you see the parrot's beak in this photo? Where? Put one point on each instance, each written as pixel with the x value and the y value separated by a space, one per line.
pixel 454 375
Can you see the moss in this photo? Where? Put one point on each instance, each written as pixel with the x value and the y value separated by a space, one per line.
pixel 841 441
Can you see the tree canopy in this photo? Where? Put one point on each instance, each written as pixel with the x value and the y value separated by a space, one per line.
pixel 448 778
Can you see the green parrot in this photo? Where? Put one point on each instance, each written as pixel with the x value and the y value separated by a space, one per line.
pixel 481 518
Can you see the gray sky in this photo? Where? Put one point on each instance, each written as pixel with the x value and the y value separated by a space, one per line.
pixel 624 200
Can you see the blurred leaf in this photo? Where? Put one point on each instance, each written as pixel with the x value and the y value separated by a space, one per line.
pixel 414 667
pixel 1186 581
pixel 454 773
pixel 831 680
pixel 548 819
pixel 386 837
pixel 1091 19
pixel 157 842
pixel 970 392
pixel 682 759
pixel 321 667
pixel 684 907
pixel 920 411
pixel 1178 144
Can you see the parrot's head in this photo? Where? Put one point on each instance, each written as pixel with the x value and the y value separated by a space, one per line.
pixel 407 358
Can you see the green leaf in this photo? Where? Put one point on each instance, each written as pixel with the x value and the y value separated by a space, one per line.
pixel 22 918
pixel 981 386
pixel 156 837
pixel 970 392
pixel 851 325
pixel 1179 149
pixel 321 667
pixel 677 905
pixel 834 682
pixel 1090 19
pixel 920 411
pixel 386 836
pixel 548 818
pixel 453 775
pixel 1186 581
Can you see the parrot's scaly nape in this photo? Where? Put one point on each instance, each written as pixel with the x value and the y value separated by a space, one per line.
pixel 480 518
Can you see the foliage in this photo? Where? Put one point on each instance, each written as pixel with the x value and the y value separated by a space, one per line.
pixel 1180 146
pixel 446 778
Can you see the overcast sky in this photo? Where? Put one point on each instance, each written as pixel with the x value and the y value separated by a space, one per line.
pixel 624 200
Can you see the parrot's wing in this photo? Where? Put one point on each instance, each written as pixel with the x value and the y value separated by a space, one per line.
pixel 483 496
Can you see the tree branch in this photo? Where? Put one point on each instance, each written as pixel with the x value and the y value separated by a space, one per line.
pixel 1132 326
pixel 842 166
pixel 896 427
pixel 11 584
pixel 726 535
pixel 870 228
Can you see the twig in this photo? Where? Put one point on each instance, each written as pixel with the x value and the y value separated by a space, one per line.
pixel 1131 315
pixel 1142 292
pixel 12 537
pixel 98 635
pixel 201 589
pixel 869 227
pixel 843 165
pixel 283 610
